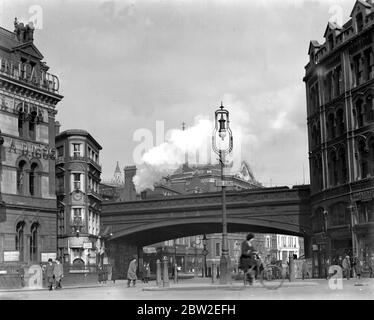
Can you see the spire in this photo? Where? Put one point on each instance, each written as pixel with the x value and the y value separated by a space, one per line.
pixel 118 177
pixel 117 169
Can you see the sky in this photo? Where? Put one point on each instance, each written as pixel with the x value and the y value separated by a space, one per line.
pixel 129 67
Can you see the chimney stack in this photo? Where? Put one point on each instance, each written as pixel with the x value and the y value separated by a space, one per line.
pixel 130 192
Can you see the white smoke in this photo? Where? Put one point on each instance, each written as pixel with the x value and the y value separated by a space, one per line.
pixel 193 144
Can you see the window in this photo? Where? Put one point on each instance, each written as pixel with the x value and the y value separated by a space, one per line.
pixel 267 242
pixel 34 242
pixel 77 216
pixel 76 150
pixel 33 179
pixel 283 241
pixel 218 249
pixel 77 181
pixel 363 159
pixel 60 184
pixel 20 238
pixel 21 177
pixel 32 125
pixel 60 151
pixel 357 70
pixel 330 40
pixel 359 22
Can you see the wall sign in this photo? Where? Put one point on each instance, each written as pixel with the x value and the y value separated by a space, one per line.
pixel 363 195
pixel 11 255
pixel 87 245
pixel 32 150
pixel 48 255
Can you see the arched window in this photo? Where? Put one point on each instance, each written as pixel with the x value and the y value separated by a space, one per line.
pixel 358 114
pixel 21 177
pixel 333 169
pixel 343 172
pixel 331 126
pixel 34 242
pixel 32 125
pixel 33 179
pixel 371 156
pixel 363 159
pixel 340 122
pixel 20 239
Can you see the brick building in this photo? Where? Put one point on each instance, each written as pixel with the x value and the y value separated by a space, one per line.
pixel 339 82
pixel 78 174
pixel 28 99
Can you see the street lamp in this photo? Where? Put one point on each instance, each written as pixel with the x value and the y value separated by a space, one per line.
pixel 223 148
pixel 205 253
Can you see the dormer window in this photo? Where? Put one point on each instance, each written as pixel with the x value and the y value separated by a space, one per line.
pixel 330 41
pixel 359 22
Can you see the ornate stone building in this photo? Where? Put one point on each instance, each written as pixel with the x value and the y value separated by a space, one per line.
pixel 28 99
pixel 339 82
pixel 77 187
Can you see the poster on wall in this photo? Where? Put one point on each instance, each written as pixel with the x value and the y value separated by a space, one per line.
pixel 11 255
pixel 47 255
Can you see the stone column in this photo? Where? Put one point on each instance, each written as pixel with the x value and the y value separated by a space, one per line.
pixel 158 273
pixel 165 278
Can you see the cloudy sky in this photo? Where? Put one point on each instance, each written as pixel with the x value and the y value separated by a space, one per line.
pixel 123 65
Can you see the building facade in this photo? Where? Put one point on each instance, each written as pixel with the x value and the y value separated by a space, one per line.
pixel 78 172
pixel 28 99
pixel 339 82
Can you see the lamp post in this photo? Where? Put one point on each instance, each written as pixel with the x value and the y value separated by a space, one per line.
pixel 205 253
pixel 223 148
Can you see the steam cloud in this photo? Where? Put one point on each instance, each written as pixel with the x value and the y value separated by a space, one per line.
pixel 195 143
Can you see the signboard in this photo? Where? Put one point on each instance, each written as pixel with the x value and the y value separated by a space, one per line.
pixel 11 255
pixel 149 250
pixel 224 183
pixel 315 247
pixel 87 245
pixel 48 255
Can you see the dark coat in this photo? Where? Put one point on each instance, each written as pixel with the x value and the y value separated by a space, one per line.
pixel 49 270
pixel 248 256
pixel 131 272
pixel 58 271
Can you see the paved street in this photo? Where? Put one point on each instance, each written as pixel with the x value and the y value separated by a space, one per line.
pixel 194 290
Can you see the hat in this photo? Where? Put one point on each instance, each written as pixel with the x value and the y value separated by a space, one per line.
pixel 250 236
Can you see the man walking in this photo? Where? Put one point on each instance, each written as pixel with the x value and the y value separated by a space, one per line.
pixel 49 273
pixel 58 273
pixel 131 273
pixel 346 264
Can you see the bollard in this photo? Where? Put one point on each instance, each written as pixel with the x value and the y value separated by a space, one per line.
pixel 175 273
pixel 158 273
pixel 214 272
pixel 291 269
pixel 165 276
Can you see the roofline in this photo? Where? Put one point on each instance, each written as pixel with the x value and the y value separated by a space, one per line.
pixel 77 132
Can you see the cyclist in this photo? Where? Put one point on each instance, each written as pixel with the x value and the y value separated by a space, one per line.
pixel 248 258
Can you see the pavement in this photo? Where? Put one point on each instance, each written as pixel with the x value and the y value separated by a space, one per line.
pixel 200 289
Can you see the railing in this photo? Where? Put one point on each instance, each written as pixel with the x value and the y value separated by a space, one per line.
pixel 86 159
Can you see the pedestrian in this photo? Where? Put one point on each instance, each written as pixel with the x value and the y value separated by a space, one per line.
pixel 131 273
pixel 49 274
pixel 114 274
pixel 147 271
pixel 100 274
pixel 357 266
pixel 58 273
pixel 346 264
pixel 248 262
pixel 305 270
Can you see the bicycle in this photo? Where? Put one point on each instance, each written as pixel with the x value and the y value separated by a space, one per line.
pixel 271 277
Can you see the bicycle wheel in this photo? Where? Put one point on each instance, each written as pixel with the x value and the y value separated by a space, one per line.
pixel 272 277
